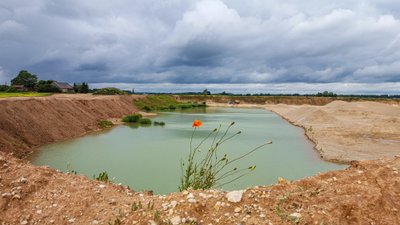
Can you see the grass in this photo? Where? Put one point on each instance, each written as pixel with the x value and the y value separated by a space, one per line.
pixel 162 102
pixel 132 118
pixel 23 94
pixel 103 176
pixel 145 121
pixel 159 123
pixel 105 124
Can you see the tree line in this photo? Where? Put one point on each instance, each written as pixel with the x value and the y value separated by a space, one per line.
pixel 25 81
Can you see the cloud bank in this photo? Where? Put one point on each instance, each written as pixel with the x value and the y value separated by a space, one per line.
pixel 202 42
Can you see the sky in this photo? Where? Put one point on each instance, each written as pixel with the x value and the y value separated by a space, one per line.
pixel 252 46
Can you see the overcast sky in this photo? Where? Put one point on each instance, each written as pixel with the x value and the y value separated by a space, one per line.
pixel 268 44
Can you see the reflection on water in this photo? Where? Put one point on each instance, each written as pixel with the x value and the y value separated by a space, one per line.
pixel 148 158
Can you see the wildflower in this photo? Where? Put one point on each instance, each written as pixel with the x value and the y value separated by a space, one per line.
pixel 197 123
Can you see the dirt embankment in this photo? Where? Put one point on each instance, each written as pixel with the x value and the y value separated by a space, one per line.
pixel 27 123
pixel 345 131
pixel 366 193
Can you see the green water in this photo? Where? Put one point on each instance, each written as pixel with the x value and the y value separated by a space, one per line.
pixel 148 158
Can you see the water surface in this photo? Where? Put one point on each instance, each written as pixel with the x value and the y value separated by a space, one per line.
pixel 148 158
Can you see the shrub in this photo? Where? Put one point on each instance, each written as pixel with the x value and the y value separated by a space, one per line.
pixel 103 176
pixel 145 121
pixel 109 91
pixel 105 124
pixel 209 171
pixel 157 123
pixel 132 118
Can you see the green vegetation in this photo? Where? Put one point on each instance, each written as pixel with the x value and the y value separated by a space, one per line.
pixel 23 94
pixel 105 124
pixel 47 86
pixel 162 102
pixel 26 79
pixel 210 170
pixel 81 88
pixel 132 118
pixel 159 123
pixel 109 91
pixel 145 121
pixel 103 176
pixel 326 94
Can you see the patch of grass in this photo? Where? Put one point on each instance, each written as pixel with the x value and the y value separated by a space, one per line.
pixel 132 118
pixel 105 124
pixel 162 102
pixel 145 121
pixel 159 123
pixel 103 176
pixel 23 94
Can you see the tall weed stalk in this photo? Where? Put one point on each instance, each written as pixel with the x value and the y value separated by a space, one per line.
pixel 204 172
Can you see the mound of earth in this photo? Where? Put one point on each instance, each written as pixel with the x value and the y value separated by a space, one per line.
pixel 346 131
pixel 365 193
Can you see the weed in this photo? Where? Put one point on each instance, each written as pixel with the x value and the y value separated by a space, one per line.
pixel 115 222
pixel 132 118
pixel 157 123
pixel 105 124
pixel 207 172
pixel 145 121
pixel 103 176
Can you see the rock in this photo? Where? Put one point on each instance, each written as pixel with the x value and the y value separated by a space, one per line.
pixel 24 222
pixel 176 220
pixel 102 186
pixel 191 200
pixel 262 215
pixel 95 222
pixel 190 196
pixel 152 222
pixel 295 217
pixel 6 195
pixel 238 210
pixel 173 204
pixel 234 196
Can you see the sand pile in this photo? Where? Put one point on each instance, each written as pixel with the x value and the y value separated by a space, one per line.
pixel 345 131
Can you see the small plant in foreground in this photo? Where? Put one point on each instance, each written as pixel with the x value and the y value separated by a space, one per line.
pixel 103 176
pixel 132 118
pixel 210 171
pixel 105 124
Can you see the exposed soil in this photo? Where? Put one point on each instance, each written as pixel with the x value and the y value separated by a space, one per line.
pixel 346 131
pixel 367 192
pixel 29 122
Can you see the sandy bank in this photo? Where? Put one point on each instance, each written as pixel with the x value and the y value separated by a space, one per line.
pixel 365 193
pixel 345 131
pixel 29 122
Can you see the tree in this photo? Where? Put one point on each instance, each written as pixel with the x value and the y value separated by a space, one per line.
pixel 84 88
pixel 81 88
pixel 25 78
pixel 47 86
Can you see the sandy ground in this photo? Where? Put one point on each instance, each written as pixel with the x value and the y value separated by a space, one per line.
pixel 345 131
pixel 365 193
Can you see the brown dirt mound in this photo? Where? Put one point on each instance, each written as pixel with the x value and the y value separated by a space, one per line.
pixel 27 123
pixel 365 193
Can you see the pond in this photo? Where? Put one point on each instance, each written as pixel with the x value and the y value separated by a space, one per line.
pixel 148 158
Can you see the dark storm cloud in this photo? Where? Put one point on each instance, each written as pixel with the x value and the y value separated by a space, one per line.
pixel 205 41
